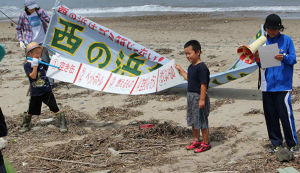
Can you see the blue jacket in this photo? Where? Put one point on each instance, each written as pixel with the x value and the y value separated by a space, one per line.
pixel 280 78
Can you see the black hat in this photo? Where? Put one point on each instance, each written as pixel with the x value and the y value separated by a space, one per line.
pixel 273 21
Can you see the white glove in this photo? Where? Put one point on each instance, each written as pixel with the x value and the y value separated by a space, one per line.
pixel 22 45
pixel 2 143
pixel 35 62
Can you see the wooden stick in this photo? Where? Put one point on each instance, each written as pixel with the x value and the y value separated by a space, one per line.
pixel 69 161
pixel 156 145
pixel 172 145
pixel 127 152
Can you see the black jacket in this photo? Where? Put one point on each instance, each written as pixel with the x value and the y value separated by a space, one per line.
pixel 3 128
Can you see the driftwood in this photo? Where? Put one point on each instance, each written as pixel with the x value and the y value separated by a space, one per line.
pixel 69 161
pixel 150 147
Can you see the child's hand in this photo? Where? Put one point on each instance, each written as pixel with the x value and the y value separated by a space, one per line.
pixel 22 45
pixel 201 104
pixel 35 62
pixel 256 54
pixel 279 57
pixel 178 67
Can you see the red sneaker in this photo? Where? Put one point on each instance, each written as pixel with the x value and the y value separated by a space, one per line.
pixel 203 147
pixel 194 145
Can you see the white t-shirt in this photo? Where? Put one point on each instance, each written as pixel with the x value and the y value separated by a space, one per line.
pixel 38 33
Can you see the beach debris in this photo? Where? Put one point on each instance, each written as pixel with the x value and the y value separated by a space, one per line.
pixel 287 170
pixel 98 124
pixel 69 161
pixel 164 51
pixel 181 53
pixel 47 120
pixel 218 103
pixel 4 71
pixel 221 63
pixel 179 108
pixel 295 96
pixel 133 147
pixel 113 152
pixel 136 100
pixel 103 171
pixel 253 112
pixel 211 56
pixel 68 95
pixel 284 155
pixel 146 126
pixel 112 113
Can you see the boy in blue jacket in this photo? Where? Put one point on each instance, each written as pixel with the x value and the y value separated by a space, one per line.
pixel 276 85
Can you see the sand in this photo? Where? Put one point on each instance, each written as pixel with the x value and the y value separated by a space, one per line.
pixel 236 104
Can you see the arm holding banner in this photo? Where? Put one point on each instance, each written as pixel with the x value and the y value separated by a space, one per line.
pixel 41 62
pixel 181 71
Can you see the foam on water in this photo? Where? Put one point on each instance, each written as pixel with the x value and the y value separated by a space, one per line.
pixel 13 11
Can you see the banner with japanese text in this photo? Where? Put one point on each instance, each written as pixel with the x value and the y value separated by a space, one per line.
pixel 94 78
pixel 82 40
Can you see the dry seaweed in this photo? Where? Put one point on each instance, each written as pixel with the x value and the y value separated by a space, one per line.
pixel 112 113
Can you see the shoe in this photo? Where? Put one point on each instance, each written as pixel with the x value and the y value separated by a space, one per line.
pixel 203 147
pixel 274 149
pixel 62 122
pixel 194 145
pixel 294 149
pixel 26 123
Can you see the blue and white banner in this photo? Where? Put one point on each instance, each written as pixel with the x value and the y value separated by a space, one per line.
pixel 81 40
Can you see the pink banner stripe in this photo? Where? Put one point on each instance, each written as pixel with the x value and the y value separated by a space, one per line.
pixel 157 79
pixel 107 81
pixel 135 84
pixel 77 73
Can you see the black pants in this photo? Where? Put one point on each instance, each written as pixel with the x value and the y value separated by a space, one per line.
pixel 2 166
pixel 3 132
pixel 35 103
pixel 278 108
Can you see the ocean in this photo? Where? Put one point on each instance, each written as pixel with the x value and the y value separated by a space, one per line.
pixel 115 8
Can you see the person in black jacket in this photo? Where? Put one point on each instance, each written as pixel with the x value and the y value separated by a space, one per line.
pixel 3 132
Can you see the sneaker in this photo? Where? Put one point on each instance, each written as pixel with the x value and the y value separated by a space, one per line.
pixel 194 145
pixel 203 147
pixel 294 149
pixel 274 149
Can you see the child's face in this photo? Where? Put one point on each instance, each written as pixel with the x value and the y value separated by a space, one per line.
pixel 36 53
pixel 192 56
pixel 31 11
pixel 272 32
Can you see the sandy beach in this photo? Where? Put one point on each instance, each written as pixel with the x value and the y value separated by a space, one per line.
pixel 98 121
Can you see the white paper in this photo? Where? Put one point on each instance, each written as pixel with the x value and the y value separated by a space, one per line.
pixel 267 55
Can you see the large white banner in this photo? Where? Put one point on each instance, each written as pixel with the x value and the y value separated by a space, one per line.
pixel 94 78
pixel 80 39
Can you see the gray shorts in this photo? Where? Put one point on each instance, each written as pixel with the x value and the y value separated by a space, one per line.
pixel 197 117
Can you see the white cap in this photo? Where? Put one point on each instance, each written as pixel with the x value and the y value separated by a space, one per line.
pixel 31 4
